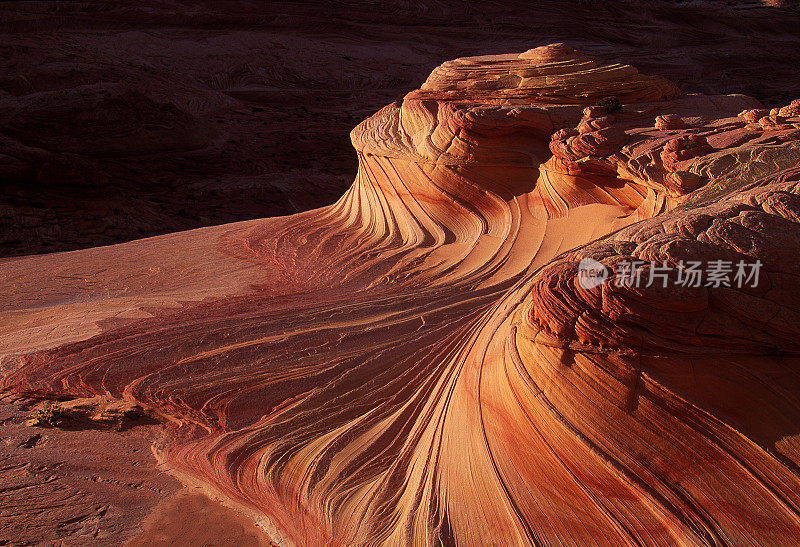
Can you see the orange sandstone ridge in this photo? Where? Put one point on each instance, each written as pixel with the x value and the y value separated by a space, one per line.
pixel 419 362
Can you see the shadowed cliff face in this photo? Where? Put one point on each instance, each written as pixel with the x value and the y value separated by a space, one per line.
pixel 129 119
pixel 420 363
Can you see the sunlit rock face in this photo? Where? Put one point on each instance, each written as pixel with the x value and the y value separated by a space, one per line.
pixel 420 364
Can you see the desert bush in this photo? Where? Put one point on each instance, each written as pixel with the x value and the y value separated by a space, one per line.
pixel 50 415
pixel 611 104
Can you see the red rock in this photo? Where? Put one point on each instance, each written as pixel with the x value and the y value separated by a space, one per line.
pixel 273 88
pixel 790 111
pixel 589 125
pixel 669 121
pixel 684 148
pixel 421 363
pixel 752 115
pixel 683 182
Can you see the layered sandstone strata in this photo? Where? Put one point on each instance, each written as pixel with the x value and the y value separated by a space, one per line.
pixel 419 363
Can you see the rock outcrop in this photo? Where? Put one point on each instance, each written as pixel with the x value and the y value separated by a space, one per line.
pixel 125 120
pixel 420 363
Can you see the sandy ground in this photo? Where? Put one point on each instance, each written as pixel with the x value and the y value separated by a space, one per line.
pixel 190 518
pixel 100 486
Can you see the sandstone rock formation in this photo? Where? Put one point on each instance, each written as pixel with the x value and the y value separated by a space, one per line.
pixel 419 362
pixel 128 119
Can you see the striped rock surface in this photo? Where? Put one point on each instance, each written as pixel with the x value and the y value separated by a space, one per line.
pixel 418 363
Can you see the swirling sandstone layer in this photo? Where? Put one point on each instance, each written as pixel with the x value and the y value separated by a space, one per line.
pixel 417 364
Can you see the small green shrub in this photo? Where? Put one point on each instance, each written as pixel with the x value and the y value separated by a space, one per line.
pixel 611 104
pixel 50 415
